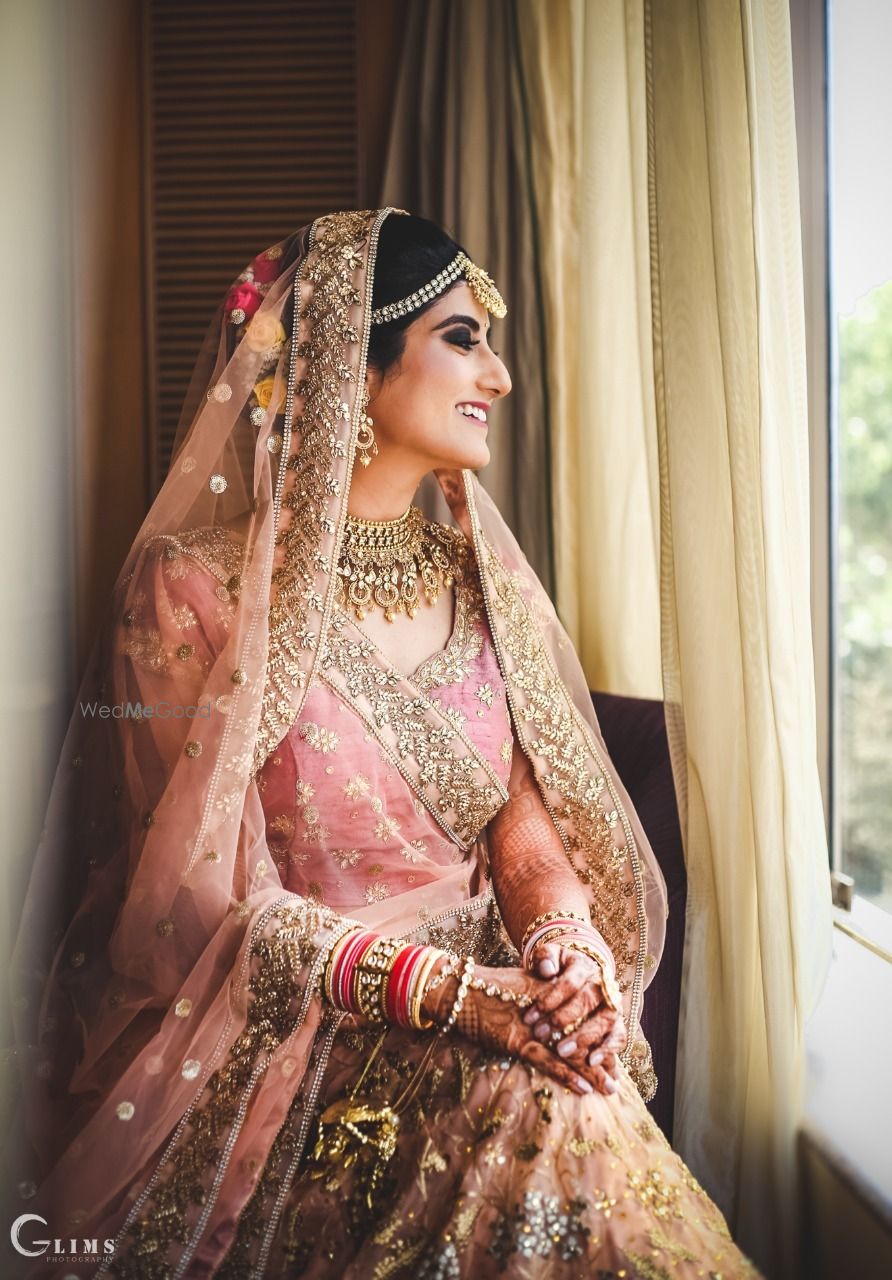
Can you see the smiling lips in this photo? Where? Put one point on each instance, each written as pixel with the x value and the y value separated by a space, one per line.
pixel 473 409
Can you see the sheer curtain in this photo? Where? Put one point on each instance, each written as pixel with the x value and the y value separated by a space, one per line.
pixel 660 152
pixel 458 153
pixel 738 662
pixel 584 70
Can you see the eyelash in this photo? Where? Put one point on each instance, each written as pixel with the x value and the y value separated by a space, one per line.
pixel 467 343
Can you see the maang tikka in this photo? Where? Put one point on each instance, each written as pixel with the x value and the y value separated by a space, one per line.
pixel 366 445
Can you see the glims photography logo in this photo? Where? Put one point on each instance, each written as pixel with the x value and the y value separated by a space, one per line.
pixel 71 1250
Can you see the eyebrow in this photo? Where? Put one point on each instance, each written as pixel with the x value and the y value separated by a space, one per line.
pixel 468 320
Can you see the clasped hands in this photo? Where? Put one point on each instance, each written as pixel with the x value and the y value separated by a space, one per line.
pixel 569 1032
pixel 571 1017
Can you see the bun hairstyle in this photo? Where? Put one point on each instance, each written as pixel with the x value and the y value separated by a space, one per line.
pixel 411 251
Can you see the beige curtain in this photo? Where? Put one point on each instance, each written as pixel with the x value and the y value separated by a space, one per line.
pixel 584 71
pixel 734 471
pixel 458 153
pixel 549 190
pixel 665 133
pixel 644 154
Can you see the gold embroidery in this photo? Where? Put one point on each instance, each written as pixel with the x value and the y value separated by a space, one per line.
pixel 656 1193
pixel 218 549
pixel 572 779
pixel 464 645
pixel 179 1183
pixel 472 928
pixel 316 475
pixel 462 791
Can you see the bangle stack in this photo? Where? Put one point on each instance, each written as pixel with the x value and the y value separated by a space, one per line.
pixel 576 934
pixel 386 980
pixel 383 979
pixel 551 924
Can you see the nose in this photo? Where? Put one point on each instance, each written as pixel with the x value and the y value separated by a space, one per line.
pixel 495 379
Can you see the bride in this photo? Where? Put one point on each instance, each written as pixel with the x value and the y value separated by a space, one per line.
pixel 333 956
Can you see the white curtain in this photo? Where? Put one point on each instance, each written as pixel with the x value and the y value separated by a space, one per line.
pixel 583 67
pixel 665 170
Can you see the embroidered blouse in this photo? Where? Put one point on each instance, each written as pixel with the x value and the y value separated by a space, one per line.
pixel 362 796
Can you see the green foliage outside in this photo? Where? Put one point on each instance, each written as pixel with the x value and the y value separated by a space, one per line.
pixel 864 787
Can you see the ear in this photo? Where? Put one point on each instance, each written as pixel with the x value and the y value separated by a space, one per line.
pixel 373 381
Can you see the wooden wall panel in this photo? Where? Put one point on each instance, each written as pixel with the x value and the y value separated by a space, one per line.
pixel 250 131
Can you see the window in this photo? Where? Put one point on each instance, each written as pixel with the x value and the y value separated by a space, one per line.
pixel 859 107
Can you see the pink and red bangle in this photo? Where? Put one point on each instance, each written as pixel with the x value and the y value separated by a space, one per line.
pixel 398 974
pixel 561 929
pixel 399 984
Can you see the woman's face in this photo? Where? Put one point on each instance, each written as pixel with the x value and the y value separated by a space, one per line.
pixel 430 408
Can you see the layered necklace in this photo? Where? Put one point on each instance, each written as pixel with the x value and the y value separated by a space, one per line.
pixel 390 564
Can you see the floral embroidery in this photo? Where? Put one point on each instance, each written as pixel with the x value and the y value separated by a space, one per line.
pixel 346 858
pixel 356 787
pixel 319 738
pixel 184 617
pixel 485 694
pixel 655 1192
pixel 376 892
pixel 385 828
pixel 540 1227
pixel 303 792
pixel 414 851
pixel 146 648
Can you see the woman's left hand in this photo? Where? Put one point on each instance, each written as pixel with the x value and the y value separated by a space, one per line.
pixel 571 1016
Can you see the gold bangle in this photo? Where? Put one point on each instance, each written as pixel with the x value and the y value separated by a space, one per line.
pixel 420 989
pixel 373 968
pixel 448 971
pixel 350 928
pixel 544 919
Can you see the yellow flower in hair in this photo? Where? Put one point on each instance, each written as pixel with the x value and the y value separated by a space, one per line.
pixel 263 390
pixel 264 332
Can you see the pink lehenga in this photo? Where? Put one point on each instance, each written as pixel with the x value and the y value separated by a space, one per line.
pixel 177 1057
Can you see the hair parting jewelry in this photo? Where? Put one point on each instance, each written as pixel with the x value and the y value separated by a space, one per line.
pixel 481 284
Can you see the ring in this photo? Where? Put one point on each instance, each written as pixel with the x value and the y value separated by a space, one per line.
pixel 557 1035
pixel 573 1026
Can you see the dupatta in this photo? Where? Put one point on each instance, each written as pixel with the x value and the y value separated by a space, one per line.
pixel 165 983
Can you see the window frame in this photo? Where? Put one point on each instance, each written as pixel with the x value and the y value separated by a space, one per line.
pixel 813 80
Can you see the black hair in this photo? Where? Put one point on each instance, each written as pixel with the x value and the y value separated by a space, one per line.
pixel 411 251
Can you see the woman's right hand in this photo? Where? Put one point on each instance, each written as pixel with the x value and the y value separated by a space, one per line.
pixel 499 1024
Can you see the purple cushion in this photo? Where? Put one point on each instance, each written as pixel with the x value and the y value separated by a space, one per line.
pixel 634 730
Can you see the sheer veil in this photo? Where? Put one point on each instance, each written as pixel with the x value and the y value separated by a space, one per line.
pixel 164 982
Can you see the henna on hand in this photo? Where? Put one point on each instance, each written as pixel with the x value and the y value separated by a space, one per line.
pixel 498 1024
pixel 530 869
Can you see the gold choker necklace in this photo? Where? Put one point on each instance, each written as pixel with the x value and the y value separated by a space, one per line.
pixel 381 561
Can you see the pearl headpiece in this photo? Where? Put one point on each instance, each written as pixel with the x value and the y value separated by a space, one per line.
pixel 482 287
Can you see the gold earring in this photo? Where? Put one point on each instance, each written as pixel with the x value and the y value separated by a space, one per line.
pixel 366 445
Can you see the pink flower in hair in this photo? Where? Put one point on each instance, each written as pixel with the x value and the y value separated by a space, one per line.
pixel 265 269
pixel 244 298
